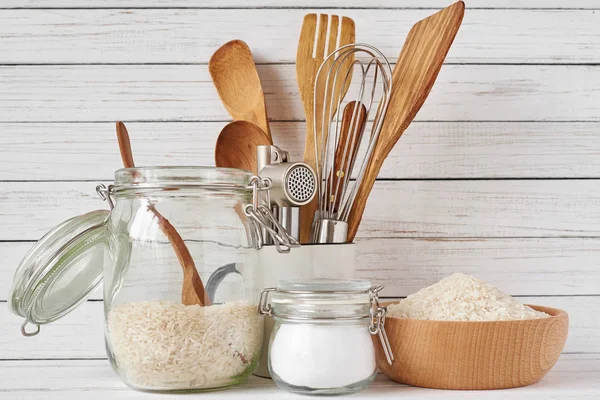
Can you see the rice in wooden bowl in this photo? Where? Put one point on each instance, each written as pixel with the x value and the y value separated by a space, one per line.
pixel 468 351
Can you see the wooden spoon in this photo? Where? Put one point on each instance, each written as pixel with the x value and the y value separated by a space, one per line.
pixel 236 145
pixel 307 66
pixel 192 292
pixel 236 148
pixel 234 74
pixel 417 68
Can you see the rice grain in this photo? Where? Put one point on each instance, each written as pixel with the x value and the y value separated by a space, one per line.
pixel 461 297
pixel 161 345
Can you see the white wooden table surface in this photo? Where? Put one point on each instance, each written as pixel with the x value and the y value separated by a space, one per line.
pixel 575 376
pixel 499 175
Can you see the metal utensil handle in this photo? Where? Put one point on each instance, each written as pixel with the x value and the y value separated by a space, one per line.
pixel 217 277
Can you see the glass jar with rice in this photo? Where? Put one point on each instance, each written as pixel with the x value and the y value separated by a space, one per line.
pixel 177 319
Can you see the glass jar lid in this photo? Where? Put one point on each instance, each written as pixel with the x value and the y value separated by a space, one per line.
pixel 181 177
pixel 60 271
pixel 319 299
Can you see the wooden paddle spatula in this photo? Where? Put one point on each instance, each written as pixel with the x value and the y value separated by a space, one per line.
pixel 192 291
pixel 417 68
pixel 312 51
pixel 235 77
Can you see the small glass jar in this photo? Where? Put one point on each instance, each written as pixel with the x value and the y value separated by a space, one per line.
pixel 321 343
pixel 177 318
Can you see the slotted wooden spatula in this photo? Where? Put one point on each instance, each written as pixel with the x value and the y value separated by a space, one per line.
pixel 314 45
pixel 417 68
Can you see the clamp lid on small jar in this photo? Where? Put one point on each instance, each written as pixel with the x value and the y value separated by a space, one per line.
pixel 320 299
pixel 322 343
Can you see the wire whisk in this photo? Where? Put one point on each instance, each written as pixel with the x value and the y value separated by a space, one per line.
pixel 342 150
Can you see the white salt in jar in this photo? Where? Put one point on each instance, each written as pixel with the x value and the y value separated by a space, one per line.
pixel 321 342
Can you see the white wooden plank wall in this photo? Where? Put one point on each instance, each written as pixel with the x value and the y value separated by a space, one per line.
pixel 499 176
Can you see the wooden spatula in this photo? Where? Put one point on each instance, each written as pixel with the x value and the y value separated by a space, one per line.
pixel 234 74
pixel 192 292
pixel 417 68
pixel 309 57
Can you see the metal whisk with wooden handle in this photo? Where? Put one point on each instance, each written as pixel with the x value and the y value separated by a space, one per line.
pixel 341 148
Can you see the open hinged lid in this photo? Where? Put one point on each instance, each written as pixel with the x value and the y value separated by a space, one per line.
pixel 60 271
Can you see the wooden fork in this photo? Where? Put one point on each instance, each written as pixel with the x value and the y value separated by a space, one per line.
pixel 312 51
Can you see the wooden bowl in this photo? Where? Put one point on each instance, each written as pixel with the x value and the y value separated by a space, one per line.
pixel 473 355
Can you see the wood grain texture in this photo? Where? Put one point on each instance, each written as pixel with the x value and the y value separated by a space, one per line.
pixel 192 35
pixel 192 291
pixel 234 75
pixel 486 208
pixel 311 53
pixel 237 143
pixel 516 266
pixel 481 121
pixel 80 334
pixel 416 70
pixel 391 4
pixel 184 93
pixel 428 150
pixel 124 146
pixel 348 143
pixel 473 355
pixel 540 266
pixel 426 209
pixel 574 376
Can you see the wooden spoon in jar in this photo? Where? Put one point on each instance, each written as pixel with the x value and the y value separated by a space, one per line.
pixel 192 292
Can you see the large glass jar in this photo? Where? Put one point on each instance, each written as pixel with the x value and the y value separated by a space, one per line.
pixel 321 342
pixel 168 327
pixel 156 339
